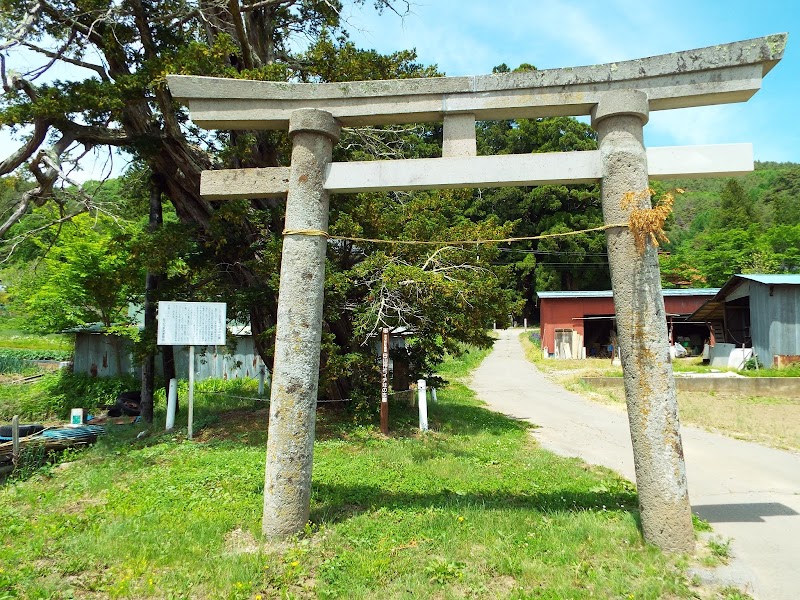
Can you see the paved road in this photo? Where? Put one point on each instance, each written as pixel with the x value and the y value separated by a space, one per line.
pixel 748 492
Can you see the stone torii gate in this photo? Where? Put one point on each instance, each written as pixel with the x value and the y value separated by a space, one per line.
pixel 618 96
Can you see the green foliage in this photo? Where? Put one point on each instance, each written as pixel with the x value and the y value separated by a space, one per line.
pixel 721 548
pixel 443 296
pixel 25 354
pixel 83 277
pixel 724 226
pixel 576 262
pixel 736 209
pixel 752 364
pixel 53 396
pixel 15 360
pixel 473 508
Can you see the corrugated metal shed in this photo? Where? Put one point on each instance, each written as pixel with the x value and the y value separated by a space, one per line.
pixel 772 279
pixel 775 319
pixel 105 355
pixel 773 313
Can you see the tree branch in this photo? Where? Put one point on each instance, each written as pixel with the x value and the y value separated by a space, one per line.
pixel 40 129
pixel 86 31
pixel 17 240
pixel 99 69
pixel 265 3
pixel 90 135
pixel 241 35
pixel 21 30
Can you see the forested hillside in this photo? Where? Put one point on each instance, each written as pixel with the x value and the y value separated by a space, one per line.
pixel 723 226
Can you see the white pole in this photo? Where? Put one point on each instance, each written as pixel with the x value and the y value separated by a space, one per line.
pixel 261 376
pixel 15 439
pixel 433 394
pixel 526 323
pixel 423 405
pixel 191 389
pixel 172 400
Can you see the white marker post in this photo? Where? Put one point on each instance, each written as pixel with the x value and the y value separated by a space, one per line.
pixel 422 401
pixel 262 376
pixel 15 439
pixel 191 324
pixel 385 381
pixel 172 401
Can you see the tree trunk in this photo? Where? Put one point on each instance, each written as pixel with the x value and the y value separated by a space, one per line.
pixel 168 364
pixel 150 298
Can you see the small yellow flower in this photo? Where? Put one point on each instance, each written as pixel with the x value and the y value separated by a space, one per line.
pixel 461 519
pixel 295 563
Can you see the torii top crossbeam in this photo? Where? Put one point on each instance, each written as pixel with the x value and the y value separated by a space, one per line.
pixel 714 75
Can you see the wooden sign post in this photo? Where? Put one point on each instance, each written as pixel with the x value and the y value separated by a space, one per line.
pixel 385 381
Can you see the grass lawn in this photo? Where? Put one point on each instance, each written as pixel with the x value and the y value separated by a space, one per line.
pixel 17 339
pixel 473 509
pixel 768 420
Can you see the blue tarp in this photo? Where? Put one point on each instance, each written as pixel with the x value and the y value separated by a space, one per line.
pixel 85 431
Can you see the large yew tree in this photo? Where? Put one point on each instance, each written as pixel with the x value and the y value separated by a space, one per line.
pixel 86 77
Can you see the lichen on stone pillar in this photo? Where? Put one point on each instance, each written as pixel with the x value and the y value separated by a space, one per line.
pixel 650 393
pixel 295 377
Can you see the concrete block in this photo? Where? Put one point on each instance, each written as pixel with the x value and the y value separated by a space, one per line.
pixel 459 136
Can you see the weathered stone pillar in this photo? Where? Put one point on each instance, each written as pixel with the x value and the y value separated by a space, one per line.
pixel 295 378
pixel 619 118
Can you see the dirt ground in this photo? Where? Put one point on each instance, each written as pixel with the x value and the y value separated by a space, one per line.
pixel 773 421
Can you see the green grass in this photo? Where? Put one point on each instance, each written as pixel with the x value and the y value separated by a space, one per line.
pixel 51 397
pixel 17 339
pixel 788 371
pixel 473 509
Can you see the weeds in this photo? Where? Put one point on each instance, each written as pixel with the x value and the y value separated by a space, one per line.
pixel 720 548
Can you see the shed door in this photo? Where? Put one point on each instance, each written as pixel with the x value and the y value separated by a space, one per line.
pixel 564 343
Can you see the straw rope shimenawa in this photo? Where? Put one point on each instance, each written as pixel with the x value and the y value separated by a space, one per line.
pixel 644 223
pixel 648 223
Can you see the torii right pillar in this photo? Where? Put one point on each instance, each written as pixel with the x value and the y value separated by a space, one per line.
pixel 619 119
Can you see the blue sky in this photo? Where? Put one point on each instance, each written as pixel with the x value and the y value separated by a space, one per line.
pixel 470 37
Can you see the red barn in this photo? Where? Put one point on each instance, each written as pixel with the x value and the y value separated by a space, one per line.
pixel 574 322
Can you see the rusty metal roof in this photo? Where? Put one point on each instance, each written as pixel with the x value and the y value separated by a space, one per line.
pixel 609 293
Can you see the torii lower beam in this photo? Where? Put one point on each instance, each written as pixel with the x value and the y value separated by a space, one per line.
pixel 552 168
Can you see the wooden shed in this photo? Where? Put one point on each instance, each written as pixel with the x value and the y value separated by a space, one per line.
pixel 575 324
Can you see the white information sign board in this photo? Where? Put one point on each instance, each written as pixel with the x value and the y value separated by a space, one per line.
pixel 191 323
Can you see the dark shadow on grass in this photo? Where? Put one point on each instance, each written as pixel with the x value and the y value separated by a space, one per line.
pixel 248 424
pixel 335 503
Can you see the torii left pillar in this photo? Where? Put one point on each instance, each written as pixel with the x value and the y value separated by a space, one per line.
pixel 295 379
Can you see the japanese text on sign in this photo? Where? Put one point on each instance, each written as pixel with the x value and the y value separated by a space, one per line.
pixel 191 323
pixel 385 365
